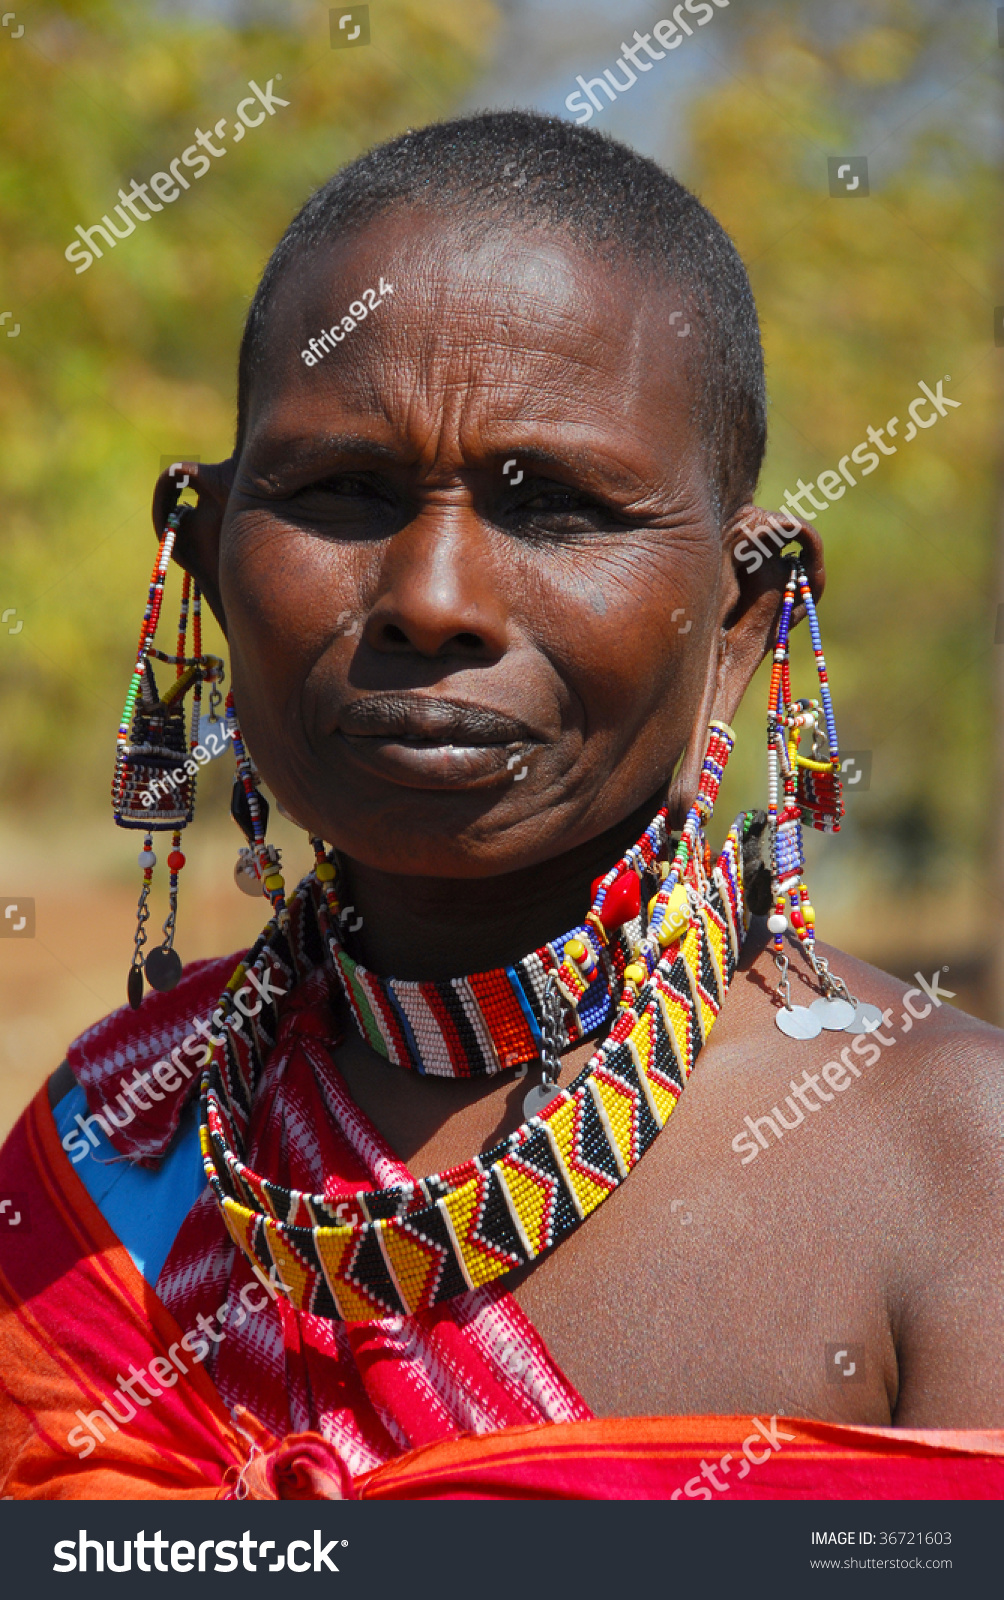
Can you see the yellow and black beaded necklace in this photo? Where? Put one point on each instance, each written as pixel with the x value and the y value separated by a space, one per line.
pixel 403 1249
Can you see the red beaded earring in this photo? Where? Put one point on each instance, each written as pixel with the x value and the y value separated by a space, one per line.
pixel 803 788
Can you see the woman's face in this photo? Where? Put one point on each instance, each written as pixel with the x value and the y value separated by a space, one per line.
pixel 471 569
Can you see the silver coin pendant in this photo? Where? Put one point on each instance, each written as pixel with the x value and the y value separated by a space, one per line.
pixel 833 1014
pixel 539 1097
pixel 798 1022
pixel 865 1019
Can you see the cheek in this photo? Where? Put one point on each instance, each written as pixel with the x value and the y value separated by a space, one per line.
pixel 628 626
pixel 287 597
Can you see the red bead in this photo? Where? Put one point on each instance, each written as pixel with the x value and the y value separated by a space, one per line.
pixel 796 919
pixel 622 900
pixel 175 861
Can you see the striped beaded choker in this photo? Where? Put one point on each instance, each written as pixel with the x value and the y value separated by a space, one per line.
pixel 395 1251
pixel 489 1022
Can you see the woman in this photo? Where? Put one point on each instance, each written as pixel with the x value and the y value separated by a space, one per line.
pixel 479 478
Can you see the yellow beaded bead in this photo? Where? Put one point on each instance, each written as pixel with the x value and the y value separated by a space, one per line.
pixel 809 915
pixel 635 973
pixel 275 881
pixel 576 949
pixel 677 917
pixel 324 872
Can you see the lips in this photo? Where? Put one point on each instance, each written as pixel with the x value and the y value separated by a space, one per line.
pixel 428 743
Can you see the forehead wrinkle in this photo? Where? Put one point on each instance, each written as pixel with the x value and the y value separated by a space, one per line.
pixel 455 383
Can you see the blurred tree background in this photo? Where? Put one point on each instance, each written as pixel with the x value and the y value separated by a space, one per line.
pixel 134 360
pixel 114 369
pixel 859 300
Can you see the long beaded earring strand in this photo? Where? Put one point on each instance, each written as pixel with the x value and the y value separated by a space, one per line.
pixel 153 786
pixel 811 793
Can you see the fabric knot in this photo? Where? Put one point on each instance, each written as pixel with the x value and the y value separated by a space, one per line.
pixel 303 1466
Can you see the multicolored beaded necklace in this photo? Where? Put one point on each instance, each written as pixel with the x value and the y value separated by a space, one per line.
pixel 403 1249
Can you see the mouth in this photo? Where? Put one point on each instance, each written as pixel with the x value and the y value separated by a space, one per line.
pixel 426 743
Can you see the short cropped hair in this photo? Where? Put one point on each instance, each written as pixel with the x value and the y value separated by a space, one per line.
pixel 520 169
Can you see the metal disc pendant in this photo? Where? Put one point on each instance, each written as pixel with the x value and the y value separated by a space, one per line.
pixel 163 969
pixel 245 876
pixel 798 1023
pixel 833 1014
pixel 865 1019
pixel 134 987
pixel 210 727
pixel 538 1097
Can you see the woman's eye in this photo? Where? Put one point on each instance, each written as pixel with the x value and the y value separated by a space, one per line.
pixel 557 500
pixel 349 485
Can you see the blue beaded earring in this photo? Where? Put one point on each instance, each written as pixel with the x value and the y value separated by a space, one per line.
pixel 803 788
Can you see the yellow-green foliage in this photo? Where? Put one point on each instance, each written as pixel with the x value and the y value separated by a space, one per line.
pixel 135 358
pixel 860 299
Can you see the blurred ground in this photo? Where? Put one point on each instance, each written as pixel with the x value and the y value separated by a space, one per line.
pixel 74 970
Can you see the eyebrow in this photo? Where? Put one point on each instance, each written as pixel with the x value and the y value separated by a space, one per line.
pixel 306 454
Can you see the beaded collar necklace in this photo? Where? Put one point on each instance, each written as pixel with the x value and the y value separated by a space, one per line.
pixel 488 1022
pixel 395 1251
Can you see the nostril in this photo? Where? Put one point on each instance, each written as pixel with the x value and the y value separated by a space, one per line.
pixel 464 643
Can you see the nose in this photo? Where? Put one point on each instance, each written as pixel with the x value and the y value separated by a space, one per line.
pixel 438 595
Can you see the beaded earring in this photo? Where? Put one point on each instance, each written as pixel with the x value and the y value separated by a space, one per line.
pixel 259 865
pixel 153 787
pixel 803 788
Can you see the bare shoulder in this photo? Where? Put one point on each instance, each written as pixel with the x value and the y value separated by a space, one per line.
pixel 941 1082
pixel 930 1065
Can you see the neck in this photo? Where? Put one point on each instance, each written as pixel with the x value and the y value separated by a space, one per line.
pixel 425 929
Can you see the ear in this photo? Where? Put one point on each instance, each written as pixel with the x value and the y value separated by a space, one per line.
pixel 751 592
pixel 197 547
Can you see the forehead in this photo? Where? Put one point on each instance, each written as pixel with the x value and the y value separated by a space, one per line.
pixel 519 328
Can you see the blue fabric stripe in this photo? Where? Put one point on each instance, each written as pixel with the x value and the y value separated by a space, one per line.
pixel 143 1206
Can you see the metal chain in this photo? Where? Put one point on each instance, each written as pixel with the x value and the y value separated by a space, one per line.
pixel 783 983
pixel 142 917
pixel 550 1032
pixel 169 921
pixel 832 983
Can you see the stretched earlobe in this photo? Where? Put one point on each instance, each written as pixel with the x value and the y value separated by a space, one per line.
pixel 753 582
pixel 197 546
pixel 756 538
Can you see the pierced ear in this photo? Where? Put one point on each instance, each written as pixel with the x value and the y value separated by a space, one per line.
pixel 753 580
pixel 753 542
pixel 197 546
